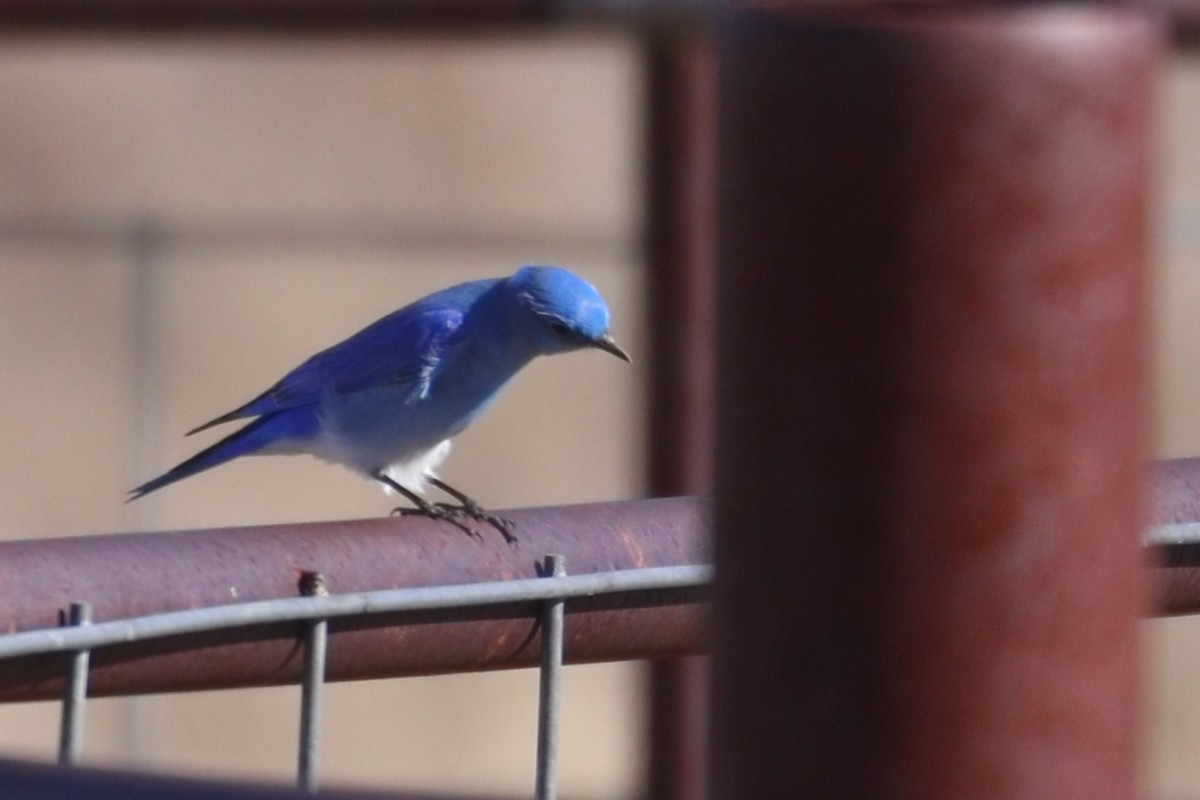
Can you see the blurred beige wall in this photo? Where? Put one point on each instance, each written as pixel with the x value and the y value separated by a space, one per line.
pixel 182 221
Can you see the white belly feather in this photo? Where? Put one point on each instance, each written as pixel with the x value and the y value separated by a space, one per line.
pixel 411 474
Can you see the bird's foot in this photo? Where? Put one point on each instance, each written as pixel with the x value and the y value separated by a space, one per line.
pixel 476 512
pixel 469 508
pixel 441 512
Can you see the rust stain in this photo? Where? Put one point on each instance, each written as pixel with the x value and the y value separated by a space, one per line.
pixel 634 548
pixel 495 646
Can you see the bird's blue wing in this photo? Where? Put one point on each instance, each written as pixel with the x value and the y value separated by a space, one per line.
pixel 402 349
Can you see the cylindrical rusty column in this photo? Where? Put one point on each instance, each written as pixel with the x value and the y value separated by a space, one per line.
pixel 931 415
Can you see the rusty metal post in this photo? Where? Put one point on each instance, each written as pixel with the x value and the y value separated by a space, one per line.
pixel 681 250
pixel 931 414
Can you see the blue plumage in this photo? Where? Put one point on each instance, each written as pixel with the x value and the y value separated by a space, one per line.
pixel 386 401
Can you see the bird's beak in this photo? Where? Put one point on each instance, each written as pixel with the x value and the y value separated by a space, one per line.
pixel 607 344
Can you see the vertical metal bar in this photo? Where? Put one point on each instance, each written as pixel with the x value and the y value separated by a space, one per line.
pixel 681 282
pixel 70 739
pixel 933 238
pixel 311 687
pixel 550 688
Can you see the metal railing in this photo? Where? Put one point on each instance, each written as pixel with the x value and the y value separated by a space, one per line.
pixel 80 638
pixel 639 592
pixel 125 576
pixel 663 533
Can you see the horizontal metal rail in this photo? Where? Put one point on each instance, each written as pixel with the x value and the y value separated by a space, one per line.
pixel 208 581
pixel 212 584
pixel 525 590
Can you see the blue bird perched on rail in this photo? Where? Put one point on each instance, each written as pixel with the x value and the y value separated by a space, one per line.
pixel 387 401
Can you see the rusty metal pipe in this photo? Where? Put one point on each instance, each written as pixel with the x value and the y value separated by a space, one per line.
pixel 931 408
pixel 128 575
pixel 41 576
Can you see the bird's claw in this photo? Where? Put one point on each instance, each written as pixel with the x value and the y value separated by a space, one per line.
pixel 476 512
pixel 454 514
pixel 439 511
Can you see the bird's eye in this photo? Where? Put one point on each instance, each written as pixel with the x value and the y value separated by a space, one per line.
pixel 560 329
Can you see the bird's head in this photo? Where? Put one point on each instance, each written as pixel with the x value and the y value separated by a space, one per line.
pixel 567 312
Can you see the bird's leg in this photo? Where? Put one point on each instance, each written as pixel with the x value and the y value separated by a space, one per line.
pixel 473 510
pixel 424 507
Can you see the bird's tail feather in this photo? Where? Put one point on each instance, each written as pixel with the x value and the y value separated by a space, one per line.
pixel 258 435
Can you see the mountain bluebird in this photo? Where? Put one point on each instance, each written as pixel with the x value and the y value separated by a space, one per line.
pixel 387 401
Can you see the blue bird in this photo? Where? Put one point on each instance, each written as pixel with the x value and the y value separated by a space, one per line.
pixel 387 401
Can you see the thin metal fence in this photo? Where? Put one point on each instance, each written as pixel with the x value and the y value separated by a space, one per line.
pixel 80 637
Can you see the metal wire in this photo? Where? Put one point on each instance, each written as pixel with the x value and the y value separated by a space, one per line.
pixel 315 609
pixel 390 600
